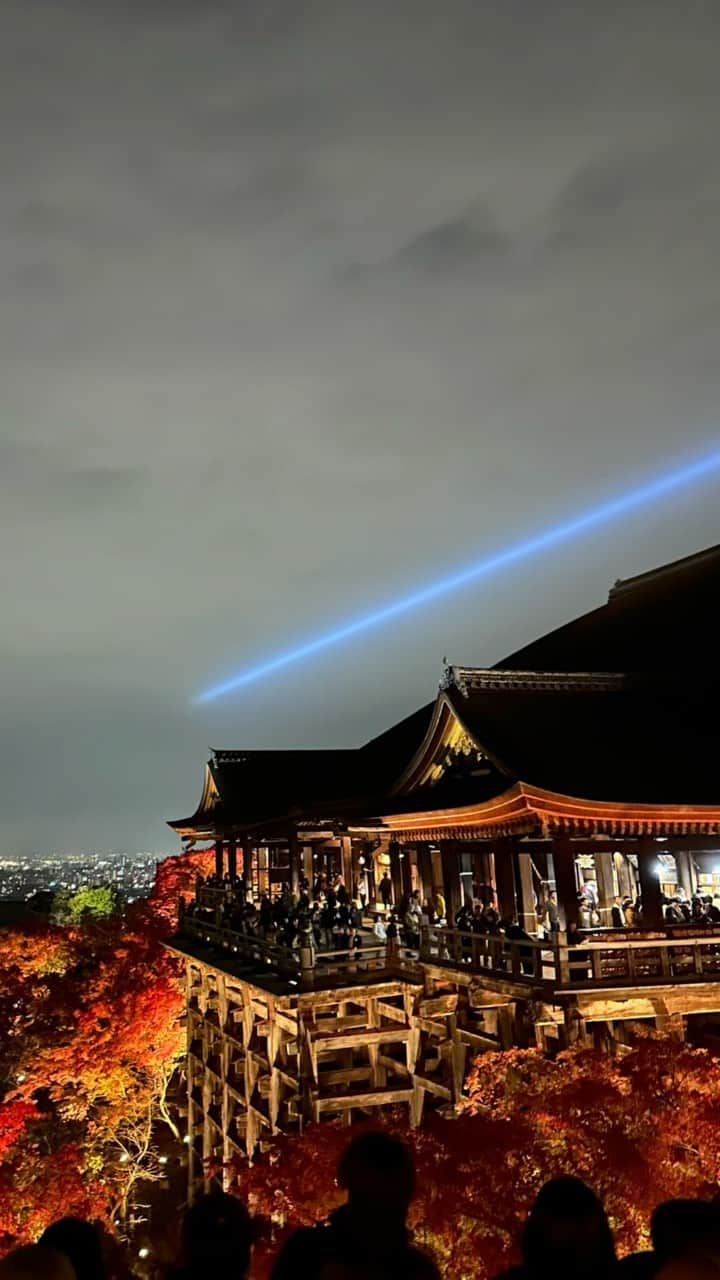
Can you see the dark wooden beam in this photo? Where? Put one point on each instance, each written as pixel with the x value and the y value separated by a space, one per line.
pixel 650 891
pixel 565 881
pixel 232 859
pixel 505 878
pixel 451 879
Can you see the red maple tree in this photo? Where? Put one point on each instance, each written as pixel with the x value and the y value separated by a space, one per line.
pixel 640 1127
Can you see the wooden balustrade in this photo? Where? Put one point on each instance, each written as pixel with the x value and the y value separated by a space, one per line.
pixel 597 960
pixel 593 961
pixel 297 962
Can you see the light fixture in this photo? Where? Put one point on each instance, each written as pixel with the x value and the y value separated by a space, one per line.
pixel 361 861
pixel 144 1252
pixel 186 1139
pixel 162 1159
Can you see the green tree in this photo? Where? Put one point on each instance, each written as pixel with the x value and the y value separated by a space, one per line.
pixel 96 901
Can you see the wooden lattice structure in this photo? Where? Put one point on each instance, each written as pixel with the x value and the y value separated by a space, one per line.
pixel 264 1060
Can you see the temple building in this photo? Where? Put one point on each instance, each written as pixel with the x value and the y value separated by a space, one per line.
pixel 572 789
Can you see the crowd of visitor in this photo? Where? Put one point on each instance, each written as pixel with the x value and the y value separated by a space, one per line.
pixel 567 1235
pixel 330 918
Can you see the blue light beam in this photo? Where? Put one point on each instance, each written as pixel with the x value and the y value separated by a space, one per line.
pixel 606 512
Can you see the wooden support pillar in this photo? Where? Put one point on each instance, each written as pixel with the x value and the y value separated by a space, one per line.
pixel 565 881
pixel 524 890
pixel 451 879
pixel 405 871
pixel 424 858
pixel 307 864
pixel 219 871
pixel 190 1071
pixel 346 861
pixel 251 855
pixel 232 860
pixel 650 891
pixel 481 875
pixel 504 878
pixel 686 872
pixel 395 871
pixel 606 886
pixel 623 871
pixel 294 859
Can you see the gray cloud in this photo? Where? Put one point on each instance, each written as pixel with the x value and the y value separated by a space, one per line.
pixel 218 433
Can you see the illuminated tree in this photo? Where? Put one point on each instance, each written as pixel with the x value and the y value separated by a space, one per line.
pixel 92 1036
pixel 639 1127
pixel 97 902
pixel 175 878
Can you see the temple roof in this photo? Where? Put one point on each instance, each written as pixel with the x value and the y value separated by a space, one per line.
pixel 656 621
pixel 244 788
pixel 621 705
pixel 626 739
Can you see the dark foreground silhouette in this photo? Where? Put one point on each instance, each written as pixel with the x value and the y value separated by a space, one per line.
pixel 567 1235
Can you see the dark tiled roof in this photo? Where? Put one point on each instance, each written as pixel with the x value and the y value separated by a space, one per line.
pixel 656 621
pixel 260 786
pixel 642 740
pixel 652 736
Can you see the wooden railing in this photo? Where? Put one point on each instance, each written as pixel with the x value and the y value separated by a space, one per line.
pixel 211 895
pixel 600 959
pixel 246 946
pixel 489 953
pixel 300 964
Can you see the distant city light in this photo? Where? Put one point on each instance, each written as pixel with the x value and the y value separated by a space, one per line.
pixel 602 514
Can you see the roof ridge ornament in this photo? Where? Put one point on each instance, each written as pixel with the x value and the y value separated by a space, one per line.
pixel 464 679
pixel 453 677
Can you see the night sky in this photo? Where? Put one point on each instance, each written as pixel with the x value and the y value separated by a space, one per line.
pixel 302 304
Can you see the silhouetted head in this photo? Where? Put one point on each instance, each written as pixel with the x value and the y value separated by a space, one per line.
pixel 80 1243
pixel 36 1262
pixel 567 1232
pixel 679 1226
pixel 377 1172
pixel 217 1236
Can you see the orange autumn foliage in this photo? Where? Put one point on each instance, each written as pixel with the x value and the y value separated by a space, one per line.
pixel 92 1036
pixel 640 1127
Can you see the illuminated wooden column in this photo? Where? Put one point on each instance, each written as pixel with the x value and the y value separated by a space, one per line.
pixel 307 864
pixel 524 890
pixel 294 859
pixel 244 868
pixel 504 878
pixel 232 859
pixel 405 871
pixel 219 860
pixel 686 872
pixel 605 879
pixel 566 885
pixel 626 882
pixel 650 891
pixel 346 861
pixel 451 880
pixel 481 873
pixel 395 871
pixel 424 858
pixel 249 861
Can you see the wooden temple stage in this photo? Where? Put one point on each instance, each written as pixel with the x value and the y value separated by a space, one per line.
pixel 583 768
